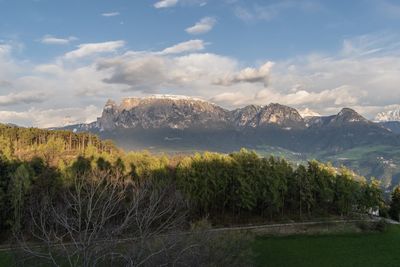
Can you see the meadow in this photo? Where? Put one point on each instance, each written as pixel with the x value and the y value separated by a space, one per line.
pixel 338 250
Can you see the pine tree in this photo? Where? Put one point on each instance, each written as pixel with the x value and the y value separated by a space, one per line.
pixel 395 204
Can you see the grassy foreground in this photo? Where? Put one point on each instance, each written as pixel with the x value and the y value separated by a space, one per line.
pixel 6 259
pixel 373 249
pixel 331 250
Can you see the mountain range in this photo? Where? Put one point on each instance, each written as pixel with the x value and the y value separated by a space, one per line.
pixel 184 124
pixel 390 115
pixel 390 119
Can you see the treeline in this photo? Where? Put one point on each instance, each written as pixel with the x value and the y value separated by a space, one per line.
pixel 53 146
pixel 243 182
pixel 102 215
pixel 220 187
pixel 24 180
pixel 239 186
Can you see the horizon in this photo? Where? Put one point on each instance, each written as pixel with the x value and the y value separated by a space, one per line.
pixel 56 65
pixel 305 113
pixel 199 133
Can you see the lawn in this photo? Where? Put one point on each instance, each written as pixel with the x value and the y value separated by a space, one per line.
pixel 373 249
pixel 340 250
pixel 6 259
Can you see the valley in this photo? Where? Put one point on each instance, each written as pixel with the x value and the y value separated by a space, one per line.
pixel 176 124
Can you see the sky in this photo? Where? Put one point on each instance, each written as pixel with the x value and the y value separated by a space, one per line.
pixel 61 60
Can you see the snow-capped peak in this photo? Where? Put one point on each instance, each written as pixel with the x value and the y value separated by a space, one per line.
pixel 174 97
pixel 308 113
pixel 391 115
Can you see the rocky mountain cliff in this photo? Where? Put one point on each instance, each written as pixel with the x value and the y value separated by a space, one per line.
pixel 345 117
pixel 168 112
pixel 180 123
pixel 390 120
pixel 162 119
pixel 161 112
pixel 176 122
pixel 183 113
pixel 183 124
pixel 391 115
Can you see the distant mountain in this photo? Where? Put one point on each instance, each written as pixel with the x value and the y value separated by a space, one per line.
pixel 390 120
pixel 308 113
pixel 391 115
pixel 166 112
pixel 345 117
pixel 175 122
pixel 161 112
pixel 393 126
pixel 183 124
pixel 260 117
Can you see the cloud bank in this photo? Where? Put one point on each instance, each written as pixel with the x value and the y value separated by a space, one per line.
pixel 363 74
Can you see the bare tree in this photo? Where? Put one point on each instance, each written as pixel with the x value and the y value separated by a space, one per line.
pixel 98 219
pixel 199 248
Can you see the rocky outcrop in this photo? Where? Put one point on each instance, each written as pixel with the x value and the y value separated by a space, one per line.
pixel 345 117
pixel 245 117
pixel 280 115
pixel 174 112
pixel 391 115
pixel 162 112
pixel 183 112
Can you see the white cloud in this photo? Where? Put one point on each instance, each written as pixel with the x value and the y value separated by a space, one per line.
pixel 142 73
pixel 341 96
pixel 165 3
pixel 248 75
pixel 51 40
pixel 184 47
pixel 269 12
pixel 5 83
pixel 258 12
pixel 5 50
pixel 338 97
pixel 8 66
pixel 46 118
pixel 150 73
pixel 199 3
pixel 243 13
pixel 85 50
pixel 203 26
pixel 110 14
pixel 363 75
pixel 71 82
pixel 26 97
pixel 308 113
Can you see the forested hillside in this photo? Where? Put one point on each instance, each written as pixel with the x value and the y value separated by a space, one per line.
pixel 214 184
pixel 46 175
pixel 182 124
pixel 52 146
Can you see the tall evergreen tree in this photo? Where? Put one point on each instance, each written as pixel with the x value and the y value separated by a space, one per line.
pixel 395 204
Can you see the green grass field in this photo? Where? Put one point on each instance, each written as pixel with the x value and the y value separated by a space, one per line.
pixel 365 250
pixel 6 259
pixel 331 250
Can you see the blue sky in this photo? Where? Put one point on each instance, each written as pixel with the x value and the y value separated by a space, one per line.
pixel 60 60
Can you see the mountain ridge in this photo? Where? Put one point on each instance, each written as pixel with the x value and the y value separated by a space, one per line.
pixel 185 112
pixel 390 115
pixel 180 125
pixel 166 122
